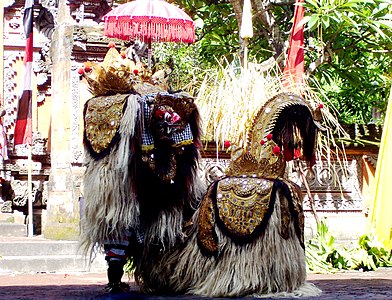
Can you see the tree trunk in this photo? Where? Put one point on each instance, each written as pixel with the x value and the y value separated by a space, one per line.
pixel 276 38
pixel 237 7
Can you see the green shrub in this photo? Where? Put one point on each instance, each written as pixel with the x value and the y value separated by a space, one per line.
pixel 322 255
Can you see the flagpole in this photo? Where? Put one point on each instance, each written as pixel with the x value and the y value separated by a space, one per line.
pixel 30 191
pixel 28 18
pixel 23 124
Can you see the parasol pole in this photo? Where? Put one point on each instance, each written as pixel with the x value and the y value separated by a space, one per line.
pixel 246 31
pixel 149 53
pixel 245 53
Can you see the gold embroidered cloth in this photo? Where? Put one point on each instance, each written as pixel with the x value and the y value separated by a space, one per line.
pixel 102 120
pixel 206 221
pixel 242 203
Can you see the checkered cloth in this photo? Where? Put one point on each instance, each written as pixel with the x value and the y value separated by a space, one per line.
pixel 118 250
pixel 180 138
pixel 147 139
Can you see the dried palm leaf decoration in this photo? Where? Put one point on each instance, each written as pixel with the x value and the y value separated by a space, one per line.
pixel 231 98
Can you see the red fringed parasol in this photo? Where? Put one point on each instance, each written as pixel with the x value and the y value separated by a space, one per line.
pixel 149 21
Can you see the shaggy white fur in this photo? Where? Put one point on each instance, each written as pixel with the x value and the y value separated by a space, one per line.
pixel 110 206
pixel 268 266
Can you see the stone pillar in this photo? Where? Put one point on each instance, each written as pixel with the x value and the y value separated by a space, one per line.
pixel 62 216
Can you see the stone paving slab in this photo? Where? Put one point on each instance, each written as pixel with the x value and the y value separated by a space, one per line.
pixel 342 285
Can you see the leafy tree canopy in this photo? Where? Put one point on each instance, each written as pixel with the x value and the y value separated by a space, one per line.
pixel 349 51
pixel 348 46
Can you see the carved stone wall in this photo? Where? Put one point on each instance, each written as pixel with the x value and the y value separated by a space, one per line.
pixel 13 171
pixel 333 187
pixel 14 43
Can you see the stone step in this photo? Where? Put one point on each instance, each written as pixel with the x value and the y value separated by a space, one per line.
pixel 13 230
pixel 39 255
pixel 49 264
pixel 36 247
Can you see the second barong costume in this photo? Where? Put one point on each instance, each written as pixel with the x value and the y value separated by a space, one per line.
pixel 247 236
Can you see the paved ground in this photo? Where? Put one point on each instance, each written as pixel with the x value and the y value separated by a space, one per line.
pixel 346 285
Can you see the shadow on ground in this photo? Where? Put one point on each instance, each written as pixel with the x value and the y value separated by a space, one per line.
pixel 332 289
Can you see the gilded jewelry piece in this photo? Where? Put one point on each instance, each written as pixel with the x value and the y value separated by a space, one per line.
pixel 245 163
pixel 168 174
pixel 119 74
pixel 102 120
pixel 144 88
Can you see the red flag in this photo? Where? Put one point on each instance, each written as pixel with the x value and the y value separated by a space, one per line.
pixel 294 68
pixel 23 126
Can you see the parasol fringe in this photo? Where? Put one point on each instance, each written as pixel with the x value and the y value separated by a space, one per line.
pixel 145 28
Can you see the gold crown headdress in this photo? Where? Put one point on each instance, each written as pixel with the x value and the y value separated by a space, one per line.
pixel 270 163
pixel 284 128
pixel 118 74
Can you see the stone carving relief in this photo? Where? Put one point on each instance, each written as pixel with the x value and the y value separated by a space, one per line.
pixel 13 30
pixel 20 192
pixel 89 44
pixel 76 143
pixel 45 22
pixel 20 166
pixel 93 10
pixel 38 147
pixel 7 207
pixel 11 93
pixel 17 196
pixel 333 186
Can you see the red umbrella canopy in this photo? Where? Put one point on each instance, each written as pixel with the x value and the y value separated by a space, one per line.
pixel 149 21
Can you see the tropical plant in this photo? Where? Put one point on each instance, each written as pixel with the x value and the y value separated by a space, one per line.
pixel 318 249
pixel 349 51
pixel 216 28
pixel 323 255
pixel 348 46
pixel 186 71
pixel 371 254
